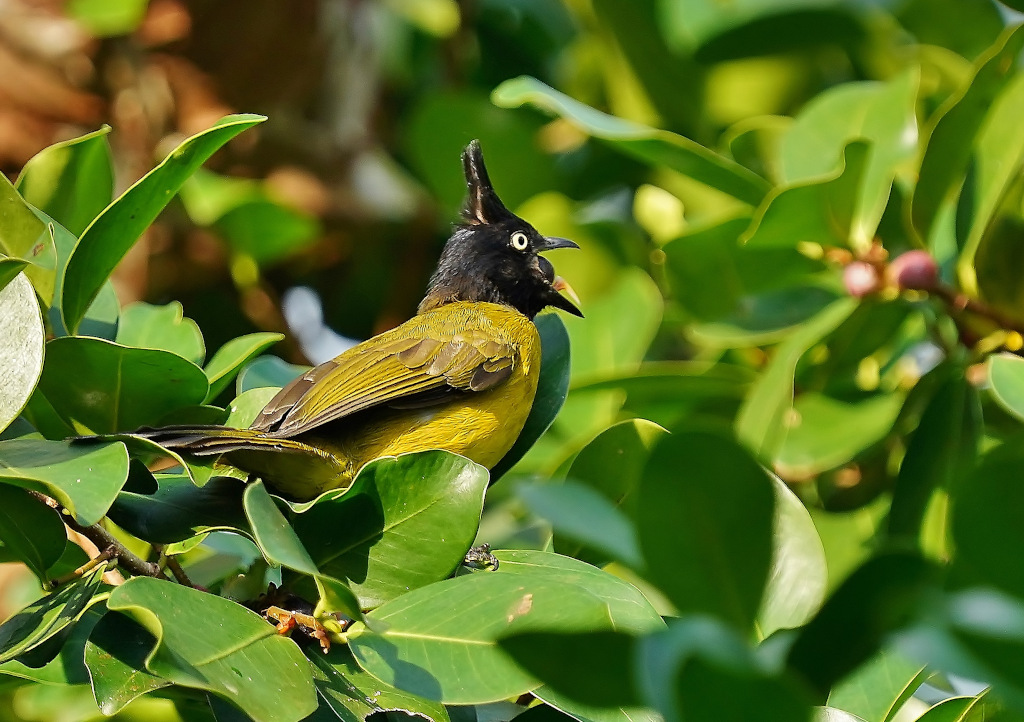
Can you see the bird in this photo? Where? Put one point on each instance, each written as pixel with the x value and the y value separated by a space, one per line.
pixel 460 375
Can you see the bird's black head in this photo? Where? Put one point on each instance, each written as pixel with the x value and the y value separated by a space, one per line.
pixel 493 254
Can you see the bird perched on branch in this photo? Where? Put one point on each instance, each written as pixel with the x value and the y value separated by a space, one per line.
pixel 460 375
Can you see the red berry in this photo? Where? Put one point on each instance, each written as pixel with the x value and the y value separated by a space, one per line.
pixel 860 279
pixel 915 270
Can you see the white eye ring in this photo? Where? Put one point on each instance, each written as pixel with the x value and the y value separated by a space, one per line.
pixel 519 241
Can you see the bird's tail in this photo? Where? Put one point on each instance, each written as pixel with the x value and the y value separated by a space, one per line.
pixel 217 440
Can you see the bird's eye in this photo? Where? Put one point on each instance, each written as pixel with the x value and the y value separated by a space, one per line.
pixel 519 241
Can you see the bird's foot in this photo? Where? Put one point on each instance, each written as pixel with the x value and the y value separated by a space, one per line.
pixel 305 623
pixel 480 557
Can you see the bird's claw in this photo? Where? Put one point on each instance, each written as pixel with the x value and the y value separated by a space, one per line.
pixel 306 623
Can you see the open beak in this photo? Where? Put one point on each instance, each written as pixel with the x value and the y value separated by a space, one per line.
pixel 562 286
pixel 550 243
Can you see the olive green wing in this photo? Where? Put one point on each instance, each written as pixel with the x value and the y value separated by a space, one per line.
pixel 398 373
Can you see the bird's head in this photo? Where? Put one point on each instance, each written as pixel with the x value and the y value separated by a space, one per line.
pixel 493 254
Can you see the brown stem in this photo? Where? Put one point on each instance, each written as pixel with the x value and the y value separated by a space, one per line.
pixel 106 541
pixel 178 572
pixel 104 556
pixel 961 302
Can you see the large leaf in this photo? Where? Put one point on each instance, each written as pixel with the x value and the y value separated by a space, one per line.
pixel 107 239
pixel 71 181
pixel 657 147
pixel 1006 382
pixel 102 387
pixel 956 123
pixel 704 512
pixel 21 353
pixel 552 388
pixel 144 325
pixel 30 530
pixel 416 643
pixel 232 356
pixel 115 656
pixel 68 664
pixel 25 237
pixel 276 539
pixel 408 521
pixel 759 423
pixel 83 478
pixel 35 624
pixel 877 690
pixel 210 643
pixel 957 709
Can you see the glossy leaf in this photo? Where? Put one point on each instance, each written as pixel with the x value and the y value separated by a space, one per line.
pixel 21 354
pixel 35 624
pixel 107 239
pixel 1006 382
pixel 657 147
pixel 766 318
pixel 85 478
pixel 798 580
pixel 825 432
pixel 67 666
pixel 9 270
pixel 267 231
pixel 210 643
pixel 586 516
pixel 30 530
pixel 876 691
pixel 831 714
pixel 353 694
pixel 759 423
pixel 415 642
pixel 957 709
pixel 552 388
pixel 266 371
pixel 27 238
pixel 102 387
pixel 704 513
pixel 71 181
pixel 275 537
pixel 948 151
pixel 874 601
pixel 408 521
pixel 144 325
pixel 232 356
pixel 115 656
pixel 822 211
pixel 178 510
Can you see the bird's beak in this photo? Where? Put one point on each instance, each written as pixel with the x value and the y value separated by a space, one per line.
pixel 550 243
pixel 560 285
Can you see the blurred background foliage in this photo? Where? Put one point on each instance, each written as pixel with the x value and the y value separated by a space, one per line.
pixel 327 219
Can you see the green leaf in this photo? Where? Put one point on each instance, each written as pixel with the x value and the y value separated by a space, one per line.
pixel 28 239
pixel 876 691
pixel 267 231
pixel 942 448
pixel 830 714
pixel 798 579
pixel 115 656
pixel 30 530
pixel 985 527
pixel 21 353
pixel 67 666
pixel 71 181
pixel 9 270
pixel 657 147
pixel 267 371
pixel 164 328
pixel 704 512
pixel 232 356
pixel 392 517
pixel 32 626
pixel 103 387
pixel 424 643
pixel 957 709
pixel 210 643
pixel 83 478
pixel 178 510
pixel 759 423
pixel 595 668
pixel 107 239
pixel 552 388
pixel 822 211
pixel 585 516
pixel 766 318
pixel 104 18
pixel 1006 382
pixel 949 137
pixel 352 693
pixel 881 114
pixel 824 432
pixel 874 601
pixel 274 536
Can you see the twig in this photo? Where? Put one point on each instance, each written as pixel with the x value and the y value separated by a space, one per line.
pixel 175 566
pixel 961 302
pixel 106 541
pixel 104 556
